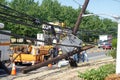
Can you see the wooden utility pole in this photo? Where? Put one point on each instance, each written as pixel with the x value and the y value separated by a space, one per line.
pixel 33 67
pixel 14 59
pixel 80 17
pixel 45 63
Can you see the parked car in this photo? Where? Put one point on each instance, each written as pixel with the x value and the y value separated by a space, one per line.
pixel 101 44
pixel 107 46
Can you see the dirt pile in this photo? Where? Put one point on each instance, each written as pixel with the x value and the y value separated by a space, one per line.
pixel 113 77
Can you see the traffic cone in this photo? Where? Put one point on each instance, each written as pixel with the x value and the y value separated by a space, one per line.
pixel 50 65
pixel 13 72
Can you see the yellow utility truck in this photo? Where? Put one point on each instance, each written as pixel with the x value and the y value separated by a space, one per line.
pixel 30 54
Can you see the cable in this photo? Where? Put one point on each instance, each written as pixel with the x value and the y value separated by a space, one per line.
pixel 8 8
pixel 117 0
pixel 77 3
pixel 33 39
pixel 11 14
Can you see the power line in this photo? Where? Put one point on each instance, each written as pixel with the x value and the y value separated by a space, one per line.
pixel 77 3
pixel 117 0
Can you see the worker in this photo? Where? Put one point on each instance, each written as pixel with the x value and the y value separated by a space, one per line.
pixel 37 51
pixel 76 56
pixel 60 52
pixel 55 52
pixel 29 49
pixel 72 62
pixel 55 40
pixel 62 62
pixel 22 48
pixel 84 56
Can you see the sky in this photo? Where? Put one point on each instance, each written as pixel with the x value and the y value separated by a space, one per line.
pixel 111 7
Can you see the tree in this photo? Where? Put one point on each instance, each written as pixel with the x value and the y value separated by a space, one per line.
pixel 52 11
pixel 28 7
pixel 97 26
pixel 3 1
pixel 68 15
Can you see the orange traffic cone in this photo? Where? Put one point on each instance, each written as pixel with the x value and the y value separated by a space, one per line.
pixel 50 65
pixel 13 72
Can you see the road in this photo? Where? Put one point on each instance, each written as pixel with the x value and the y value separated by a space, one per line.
pixel 97 54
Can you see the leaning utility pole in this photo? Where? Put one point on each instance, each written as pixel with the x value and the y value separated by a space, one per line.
pixel 45 63
pixel 33 67
pixel 80 17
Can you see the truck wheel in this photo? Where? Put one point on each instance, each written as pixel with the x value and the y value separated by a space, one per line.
pixel 20 63
pixel 16 63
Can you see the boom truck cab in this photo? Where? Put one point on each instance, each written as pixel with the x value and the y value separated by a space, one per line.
pixel 38 53
pixel 34 55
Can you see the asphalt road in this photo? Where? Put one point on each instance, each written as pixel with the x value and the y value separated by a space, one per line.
pixel 97 55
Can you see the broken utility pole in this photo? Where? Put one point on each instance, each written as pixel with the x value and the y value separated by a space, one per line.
pixel 80 17
pixel 45 63
pixel 33 67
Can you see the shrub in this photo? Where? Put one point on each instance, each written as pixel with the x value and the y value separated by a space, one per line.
pixel 112 53
pixel 114 43
pixel 98 74
pixel 114 46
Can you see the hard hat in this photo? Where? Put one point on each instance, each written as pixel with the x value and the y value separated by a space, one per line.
pixel 83 44
pixel 54 41
pixel 75 48
pixel 60 53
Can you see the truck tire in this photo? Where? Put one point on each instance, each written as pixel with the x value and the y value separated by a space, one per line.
pixel 18 63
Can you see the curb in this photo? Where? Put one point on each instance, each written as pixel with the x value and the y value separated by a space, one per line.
pixel 94 62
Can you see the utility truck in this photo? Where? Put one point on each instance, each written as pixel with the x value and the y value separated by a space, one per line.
pixel 68 40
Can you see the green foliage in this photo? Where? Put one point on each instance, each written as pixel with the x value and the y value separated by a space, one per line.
pixel 114 43
pixel 98 74
pixel 3 1
pixel 28 7
pixel 114 51
pixel 51 11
